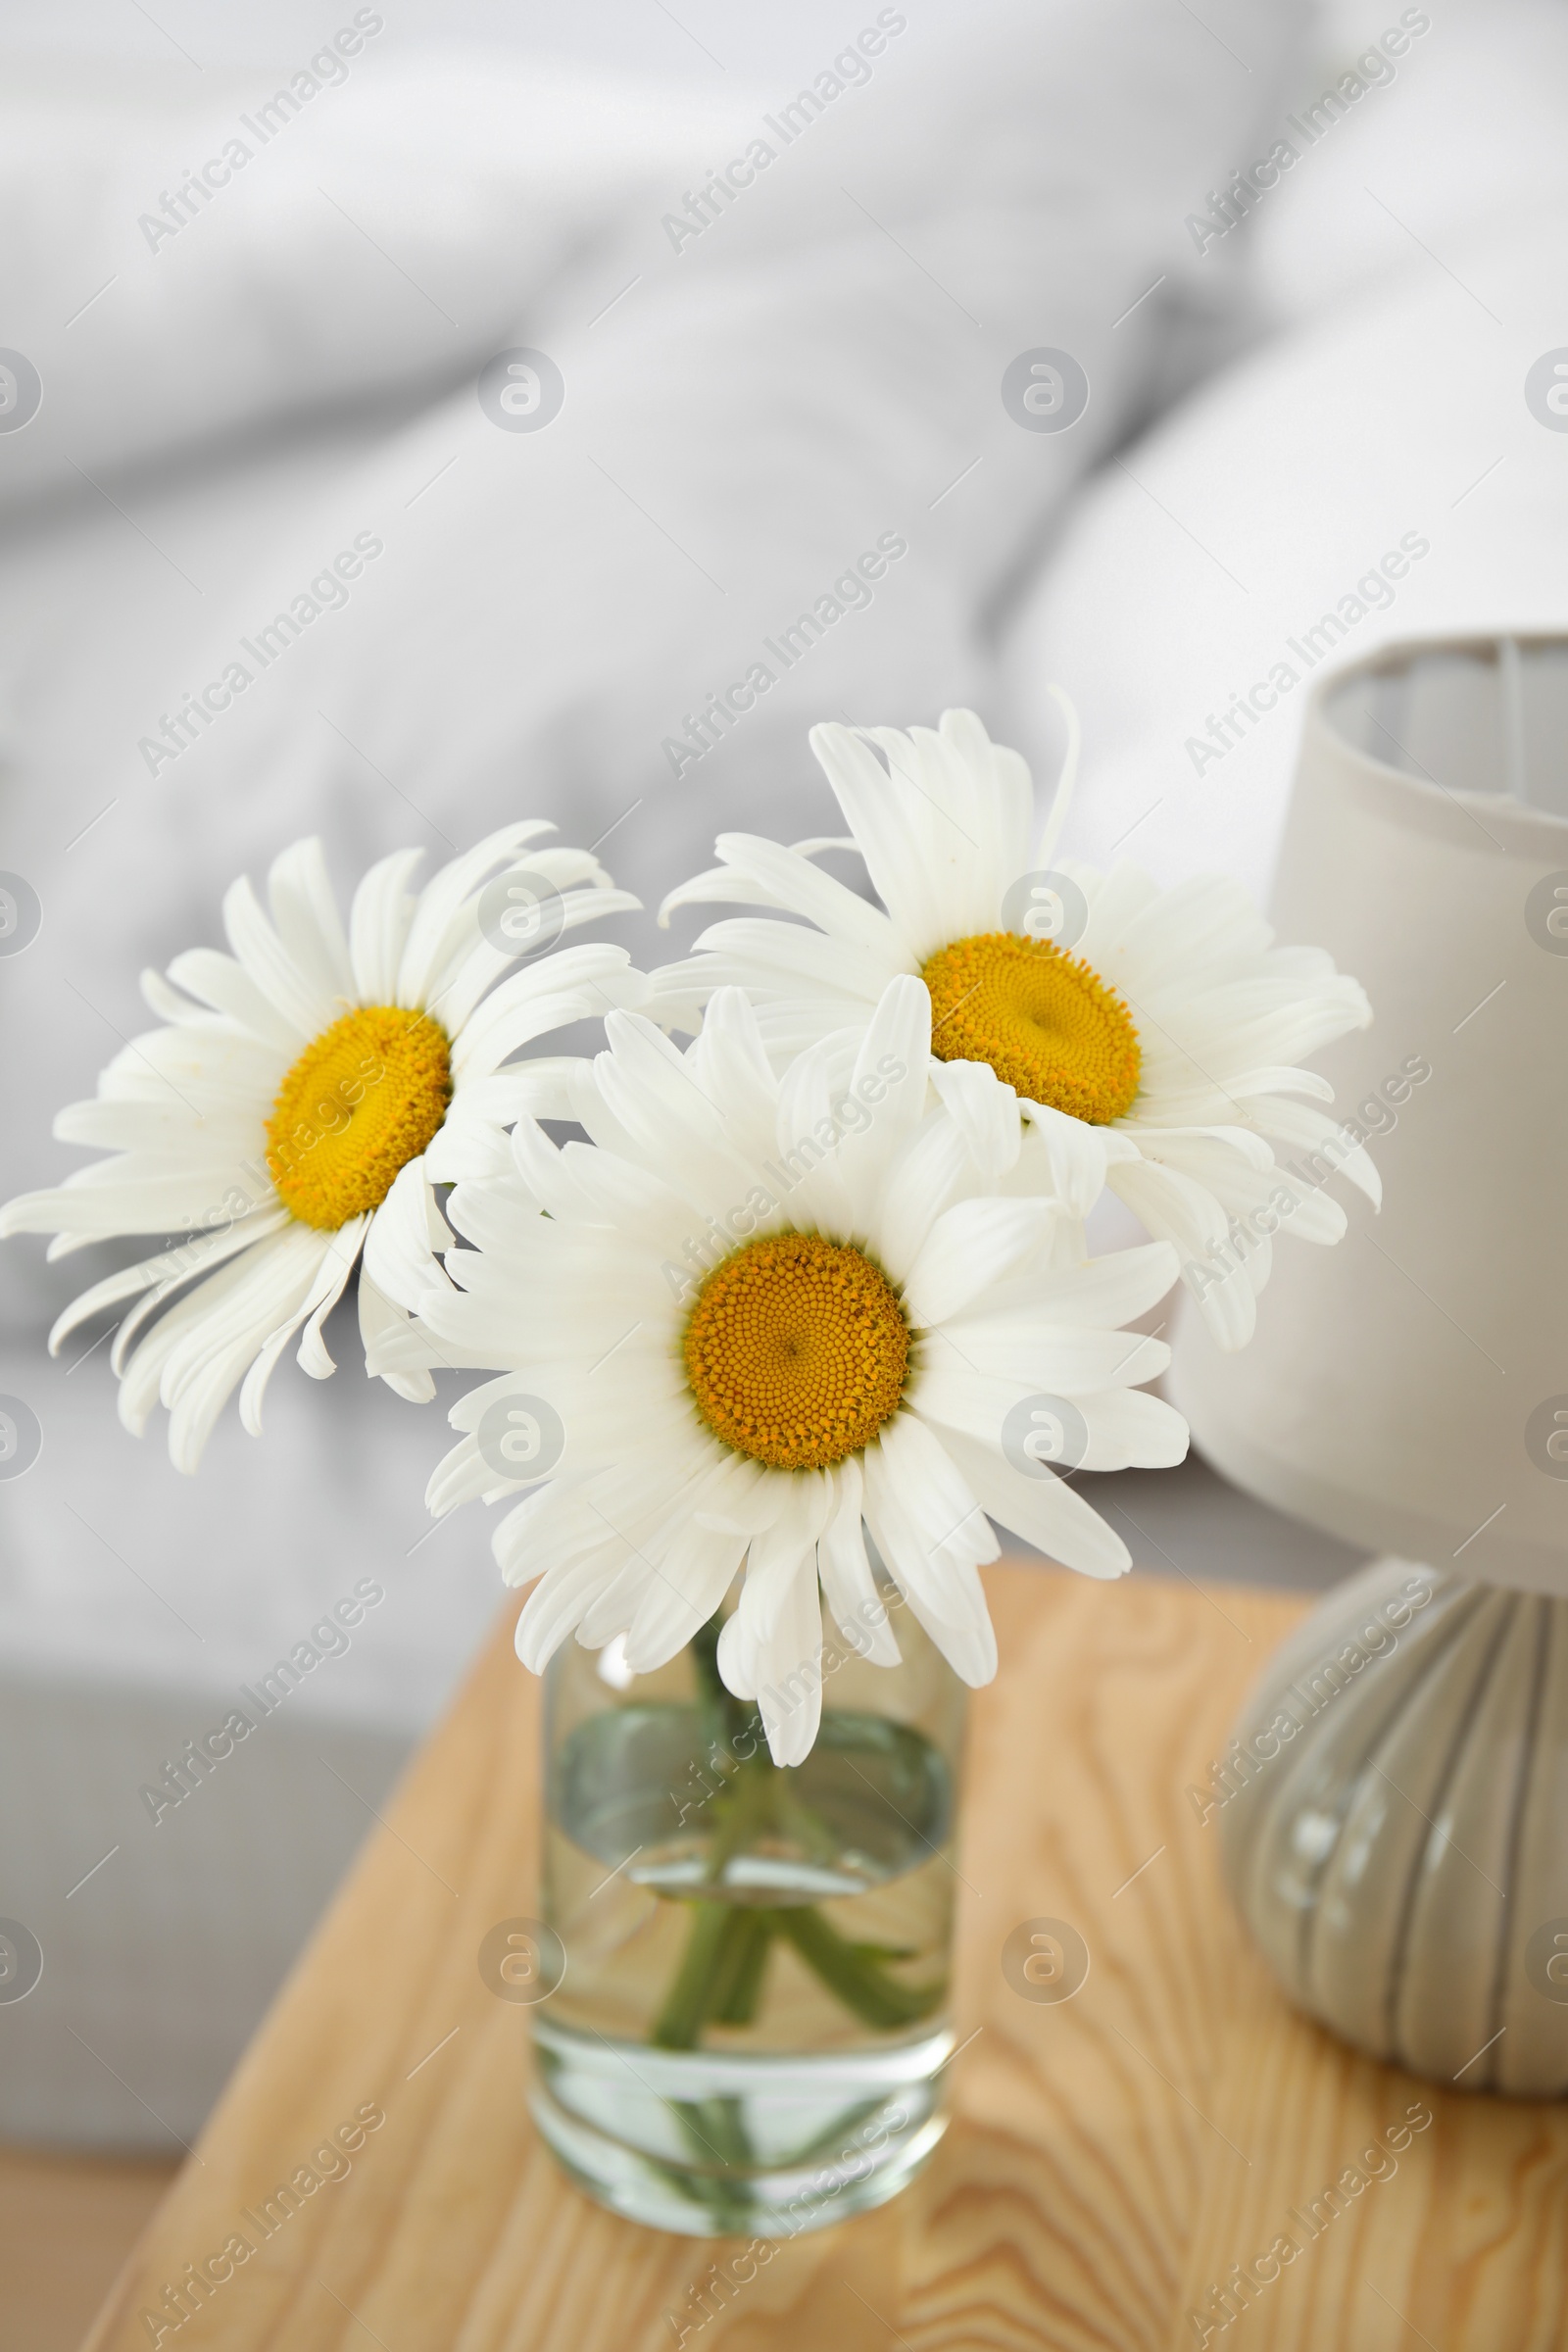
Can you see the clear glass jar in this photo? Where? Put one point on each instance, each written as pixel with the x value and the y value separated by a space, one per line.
pixel 752 2023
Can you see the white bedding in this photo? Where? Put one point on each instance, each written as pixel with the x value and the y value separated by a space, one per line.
pixel 818 368
pixel 1386 413
pixel 1241 548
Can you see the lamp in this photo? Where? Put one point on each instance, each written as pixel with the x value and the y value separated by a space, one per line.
pixel 1391 1805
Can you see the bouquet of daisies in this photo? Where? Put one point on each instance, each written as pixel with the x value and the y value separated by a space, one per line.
pixel 810 1308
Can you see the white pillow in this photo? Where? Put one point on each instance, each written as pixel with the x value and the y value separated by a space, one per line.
pixel 1246 546
pixel 1452 120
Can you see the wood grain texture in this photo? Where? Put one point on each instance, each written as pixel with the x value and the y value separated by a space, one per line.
pixel 1111 2158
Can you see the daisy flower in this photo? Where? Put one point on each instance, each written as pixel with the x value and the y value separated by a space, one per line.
pixel 771 1316
pixel 1150 1038
pixel 304 1097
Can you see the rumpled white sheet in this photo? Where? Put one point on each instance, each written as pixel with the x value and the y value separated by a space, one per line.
pixel 321 250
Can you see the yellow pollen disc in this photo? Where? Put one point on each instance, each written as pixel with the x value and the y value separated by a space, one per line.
pixel 796 1350
pixel 363 1099
pixel 1044 1021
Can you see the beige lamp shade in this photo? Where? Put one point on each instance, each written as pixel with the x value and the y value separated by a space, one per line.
pixel 1407 1390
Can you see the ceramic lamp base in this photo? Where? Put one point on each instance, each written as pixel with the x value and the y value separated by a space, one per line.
pixel 1392 1810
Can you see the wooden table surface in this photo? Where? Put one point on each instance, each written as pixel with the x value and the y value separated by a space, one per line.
pixel 1111 2158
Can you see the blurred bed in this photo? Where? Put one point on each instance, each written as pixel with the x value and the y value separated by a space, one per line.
pixel 291 371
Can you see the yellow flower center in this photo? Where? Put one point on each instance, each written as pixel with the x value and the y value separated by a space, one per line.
pixel 363 1099
pixel 1044 1021
pixel 796 1350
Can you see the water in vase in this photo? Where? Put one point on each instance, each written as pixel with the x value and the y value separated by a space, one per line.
pixel 752 2025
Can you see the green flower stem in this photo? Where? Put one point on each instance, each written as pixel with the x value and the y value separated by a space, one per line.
pixel 719 1978
pixel 705 1968
pixel 732 1716
pixel 855 1970
pixel 745 1810
pixel 715 2134
pixel 736 2005
pixel 716 2131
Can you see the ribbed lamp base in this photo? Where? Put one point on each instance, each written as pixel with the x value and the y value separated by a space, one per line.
pixel 1393 1813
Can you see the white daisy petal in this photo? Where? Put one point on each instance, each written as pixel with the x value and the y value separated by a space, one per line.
pixel 1095 1292
pixel 670 1123
pixel 307 1005
pixel 378 926
pixel 443 903
pixel 972 1245
pixel 156 1279
pixel 1065 1157
pixel 986 1110
pixel 1008 808
pixel 812 1142
pixel 730 1065
pixel 1322 1142
pixel 935 1167
pixel 892 821
pixel 1128 1429
pixel 770 1650
pixel 193 1357
pixel 1304 1209
pixel 325 1291
pixel 477 963
pixel 579 983
pixel 1032 1356
pixel 218 981
pixel 670 1611
pixel 805 1501
pixel 1113 902
pixel 888 1083
pixel 1228 1302
pixel 788 1670
pixel 1204 922
pixel 721 885
pixel 792 882
pixel 1280 1080
pixel 310 1312
pixel 975 1400
pixel 807 962
pixel 306 919
pixel 384 1331
pixel 849 1586
pixel 83 1212
pixel 931 1531
pixel 1047 1512
pixel 164 1124
pixel 556 1606
pixel 169 1002
pixel 402 1237
pixel 538 1090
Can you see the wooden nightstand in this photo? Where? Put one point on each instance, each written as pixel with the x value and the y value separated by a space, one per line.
pixel 1111 2158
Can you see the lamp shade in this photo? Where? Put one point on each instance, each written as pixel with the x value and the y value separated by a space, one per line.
pixel 1407 1390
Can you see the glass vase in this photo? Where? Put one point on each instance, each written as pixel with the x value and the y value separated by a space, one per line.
pixel 751 2026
